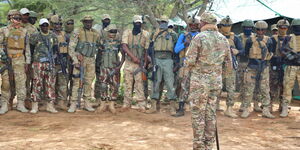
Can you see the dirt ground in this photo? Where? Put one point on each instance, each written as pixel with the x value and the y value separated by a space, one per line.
pixel 137 131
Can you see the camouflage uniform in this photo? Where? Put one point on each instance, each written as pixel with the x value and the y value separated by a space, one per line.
pixel 44 47
pixel 17 44
pixel 138 45
pixel 291 50
pixel 107 84
pixel 259 51
pixel 86 43
pixel 205 57
pixel 236 48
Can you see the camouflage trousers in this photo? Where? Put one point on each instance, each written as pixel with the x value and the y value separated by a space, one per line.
pixel 276 84
pixel 29 76
pixel 291 74
pixel 164 72
pixel 250 87
pixel 89 75
pixel 183 85
pixel 106 87
pixel 43 78
pixel 230 86
pixel 240 75
pixel 18 65
pixel 61 85
pixel 138 96
pixel 203 93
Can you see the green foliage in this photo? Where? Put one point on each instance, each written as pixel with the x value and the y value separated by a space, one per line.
pixel 35 5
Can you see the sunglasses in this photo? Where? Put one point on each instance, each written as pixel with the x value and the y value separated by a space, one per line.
pixel 258 29
pixel 113 31
pixel 45 25
pixel 17 18
pixel 57 23
pixel 70 23
pixel 283 27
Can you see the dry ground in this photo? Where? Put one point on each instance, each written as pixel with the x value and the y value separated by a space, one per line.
pixel 137 131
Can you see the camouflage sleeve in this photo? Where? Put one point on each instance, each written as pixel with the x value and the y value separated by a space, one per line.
pixel 228 66
pixel 147 40
pixel 27 49
pixel 72 46
pixel 192 53
pixel 2 39
pixel 125 37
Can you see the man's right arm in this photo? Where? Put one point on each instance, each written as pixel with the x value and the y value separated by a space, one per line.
pixel 179 44
pixel 125 47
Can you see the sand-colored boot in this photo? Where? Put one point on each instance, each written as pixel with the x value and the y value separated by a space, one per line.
pixel 34 107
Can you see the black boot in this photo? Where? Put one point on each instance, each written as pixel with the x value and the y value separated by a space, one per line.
pixel 180 111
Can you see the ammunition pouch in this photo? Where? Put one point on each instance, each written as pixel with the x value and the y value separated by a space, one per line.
pixel 163 54
pixel 86 48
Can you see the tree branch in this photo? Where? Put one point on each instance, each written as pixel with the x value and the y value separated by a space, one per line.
pixel 203 7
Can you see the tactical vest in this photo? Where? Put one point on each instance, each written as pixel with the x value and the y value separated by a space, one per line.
pixel 231 40
pixel 135 47
pixel 295 43
pixel 44 43
pixel 62 43
pixel 16 40
pixel 164 41
pixel 278 46
pixel 109 56
pixel 256 50
pixel 87 42
pixel 188 36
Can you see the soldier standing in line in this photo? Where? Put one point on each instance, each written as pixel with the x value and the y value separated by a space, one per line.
pixel 84 43
pixel 236 48
pixel 13 45
pixel 164 41
pixel 291 50
pixel 109 66
pixel 181 47
pixel 135 43
pixel 274 29
pixel 32 17
pixel 44 45
pixel 106 19
pixel 259 50
pixel 207 53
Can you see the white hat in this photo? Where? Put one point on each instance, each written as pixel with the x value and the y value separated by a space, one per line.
pixel 137 18
pixel 43 20
pixel 24 11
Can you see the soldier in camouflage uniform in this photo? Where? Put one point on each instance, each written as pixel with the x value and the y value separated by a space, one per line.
pixel 276 68
pixel 259 50
pixel 135 43
pixel 291 50
pixel 14 38
pixel 274 29
pixel 105 23
pixel 61 64
pixel 181 47
pixel 248 26
pixel 85 42
pixel 44 44
pixel 109 67
pixel 236 48
pixel 164 41
pixel 32 17
pixel 205 57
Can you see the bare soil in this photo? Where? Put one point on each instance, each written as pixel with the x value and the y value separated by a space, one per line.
pixel 134 130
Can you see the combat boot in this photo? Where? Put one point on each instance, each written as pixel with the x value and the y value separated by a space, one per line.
pixel 153 108
pixel 218 106
pixel 256 107
pixel 111 107
pixel 50 107
pixel 21 106
pixel 284 112
pixel 61 105
pixel 34 107
pixel 180 111
pixel 245 113
pixel 102 107
pixel 229 112
pixel 242 107
pixel 172 107
pixel 266 113
pixel 72 107
pixel 88 106
pixel 4 107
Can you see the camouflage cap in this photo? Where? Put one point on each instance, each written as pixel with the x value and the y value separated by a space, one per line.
pixel 164 18
pixel 226 21
pixel 55 19
pixel 87 17
pixel 137 18
pixel 296 22
pixel 261 25
pixel 13 12
pixel 111 27
pixel 283 22
pixel 33 14
pixel 209 18
pixel 69 19
pixel 248 23
pixel 105 16
pixel 274 27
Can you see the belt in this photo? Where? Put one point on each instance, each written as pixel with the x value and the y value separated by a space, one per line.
pixel 15 55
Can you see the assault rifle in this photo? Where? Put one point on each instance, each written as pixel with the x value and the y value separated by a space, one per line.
pixel 235 62
pixel 262 64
